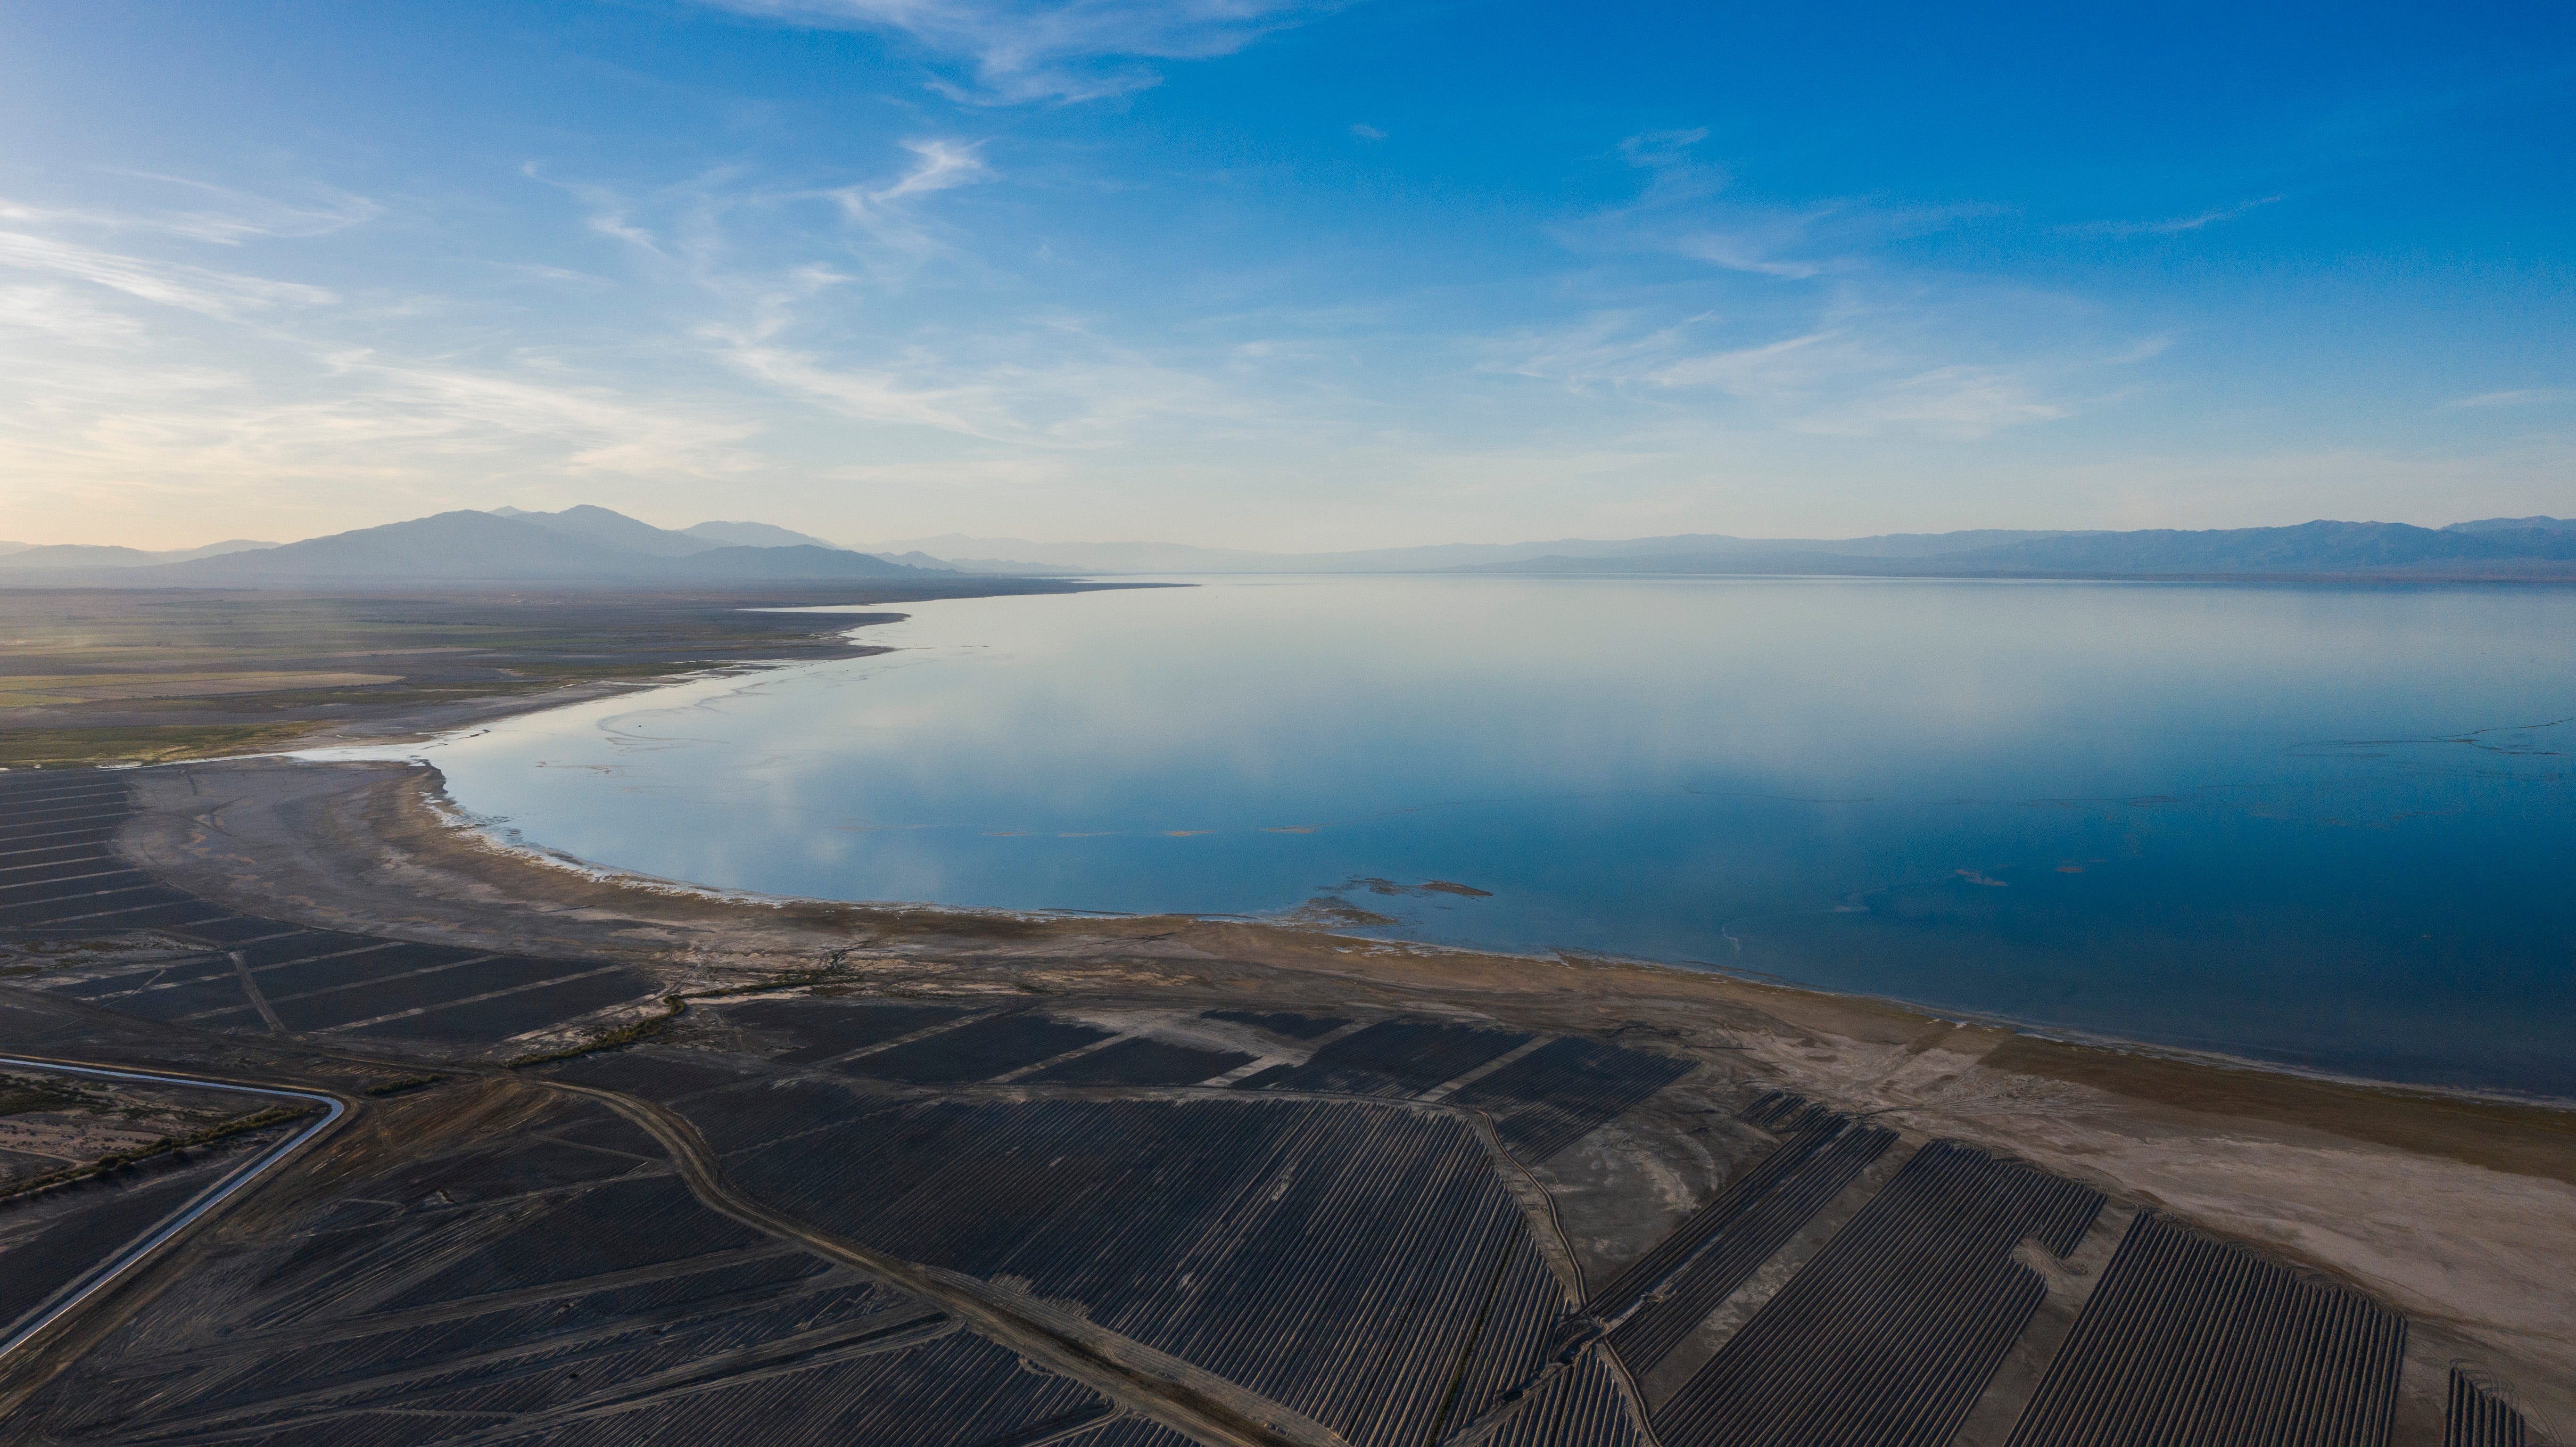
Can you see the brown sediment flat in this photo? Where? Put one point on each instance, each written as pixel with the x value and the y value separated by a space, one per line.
pixel 2458 1210
pixel 148 675
pixel 2502 1135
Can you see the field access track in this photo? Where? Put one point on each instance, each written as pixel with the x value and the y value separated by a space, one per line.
pixel 557 1286
pixel 1359 1263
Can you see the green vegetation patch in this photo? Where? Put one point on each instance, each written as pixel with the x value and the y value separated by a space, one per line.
pixel 138 744
pixel 23 1094
pixel 274 1115
pixel 676 1005
pixel 672 1008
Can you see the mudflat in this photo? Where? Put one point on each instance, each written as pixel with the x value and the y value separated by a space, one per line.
pixel 146 675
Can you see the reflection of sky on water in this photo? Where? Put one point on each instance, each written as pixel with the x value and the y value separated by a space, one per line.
pixel 2307 823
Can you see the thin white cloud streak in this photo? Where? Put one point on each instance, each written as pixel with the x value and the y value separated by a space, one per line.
pixel 66 315
pixel 1685 208
pixel 190 288
pixel 943 165
pixel 242 216
pixel 1743 253
pixel 1048 50
pixel 2517 397
pixel 2171 226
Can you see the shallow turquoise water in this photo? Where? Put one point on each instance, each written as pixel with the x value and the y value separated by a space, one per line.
pixel 2329 826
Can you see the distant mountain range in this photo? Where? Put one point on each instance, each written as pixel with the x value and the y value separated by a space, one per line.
pixel 2514 546
pixel 2500 547
pixel 1020 555
pixel 578 546
pixel 57 556
pixel 594 546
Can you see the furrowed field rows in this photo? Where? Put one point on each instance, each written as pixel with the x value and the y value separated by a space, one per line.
pixel 821 1029
pixel 49 811
pixel 1804 1130
pixel 1393 1057
pixel 1361 1265
pixel 2194 1339
pixel 540 1290
pixel 1583 1406
pixel 1784 1114
pixel 256 975
pixel 1564 1090
pixel 2476 1416
pixel 1814 1169
pixel 1543 1101
pixel 1130 1432
pixel 52 1259
pixel 1890 1334
pixel 976 1050
pixel 1142 1062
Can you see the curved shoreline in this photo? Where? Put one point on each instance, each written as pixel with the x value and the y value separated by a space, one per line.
pixel 491 835
pixel 497 835
pixel 2264 1024
pixel 2458 1209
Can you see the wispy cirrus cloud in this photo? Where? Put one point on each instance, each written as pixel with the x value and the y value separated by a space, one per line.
pixel 1015 51
pixel 1850 377
pixel 1690 206
pixel 137 368
pixel 2515 397
pixel 203 290
pixel 2171 225
pixel 1808 319
pixel 943 165
pixel 692 229
pixel 829 300
pixel 1048 386
pixel 219 214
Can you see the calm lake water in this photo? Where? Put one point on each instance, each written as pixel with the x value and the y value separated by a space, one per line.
pixel 2328 826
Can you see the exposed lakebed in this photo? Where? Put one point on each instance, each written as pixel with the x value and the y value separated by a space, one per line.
pixel 2326 826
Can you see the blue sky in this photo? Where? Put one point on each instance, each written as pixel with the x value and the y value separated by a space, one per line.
pixel 1275 275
